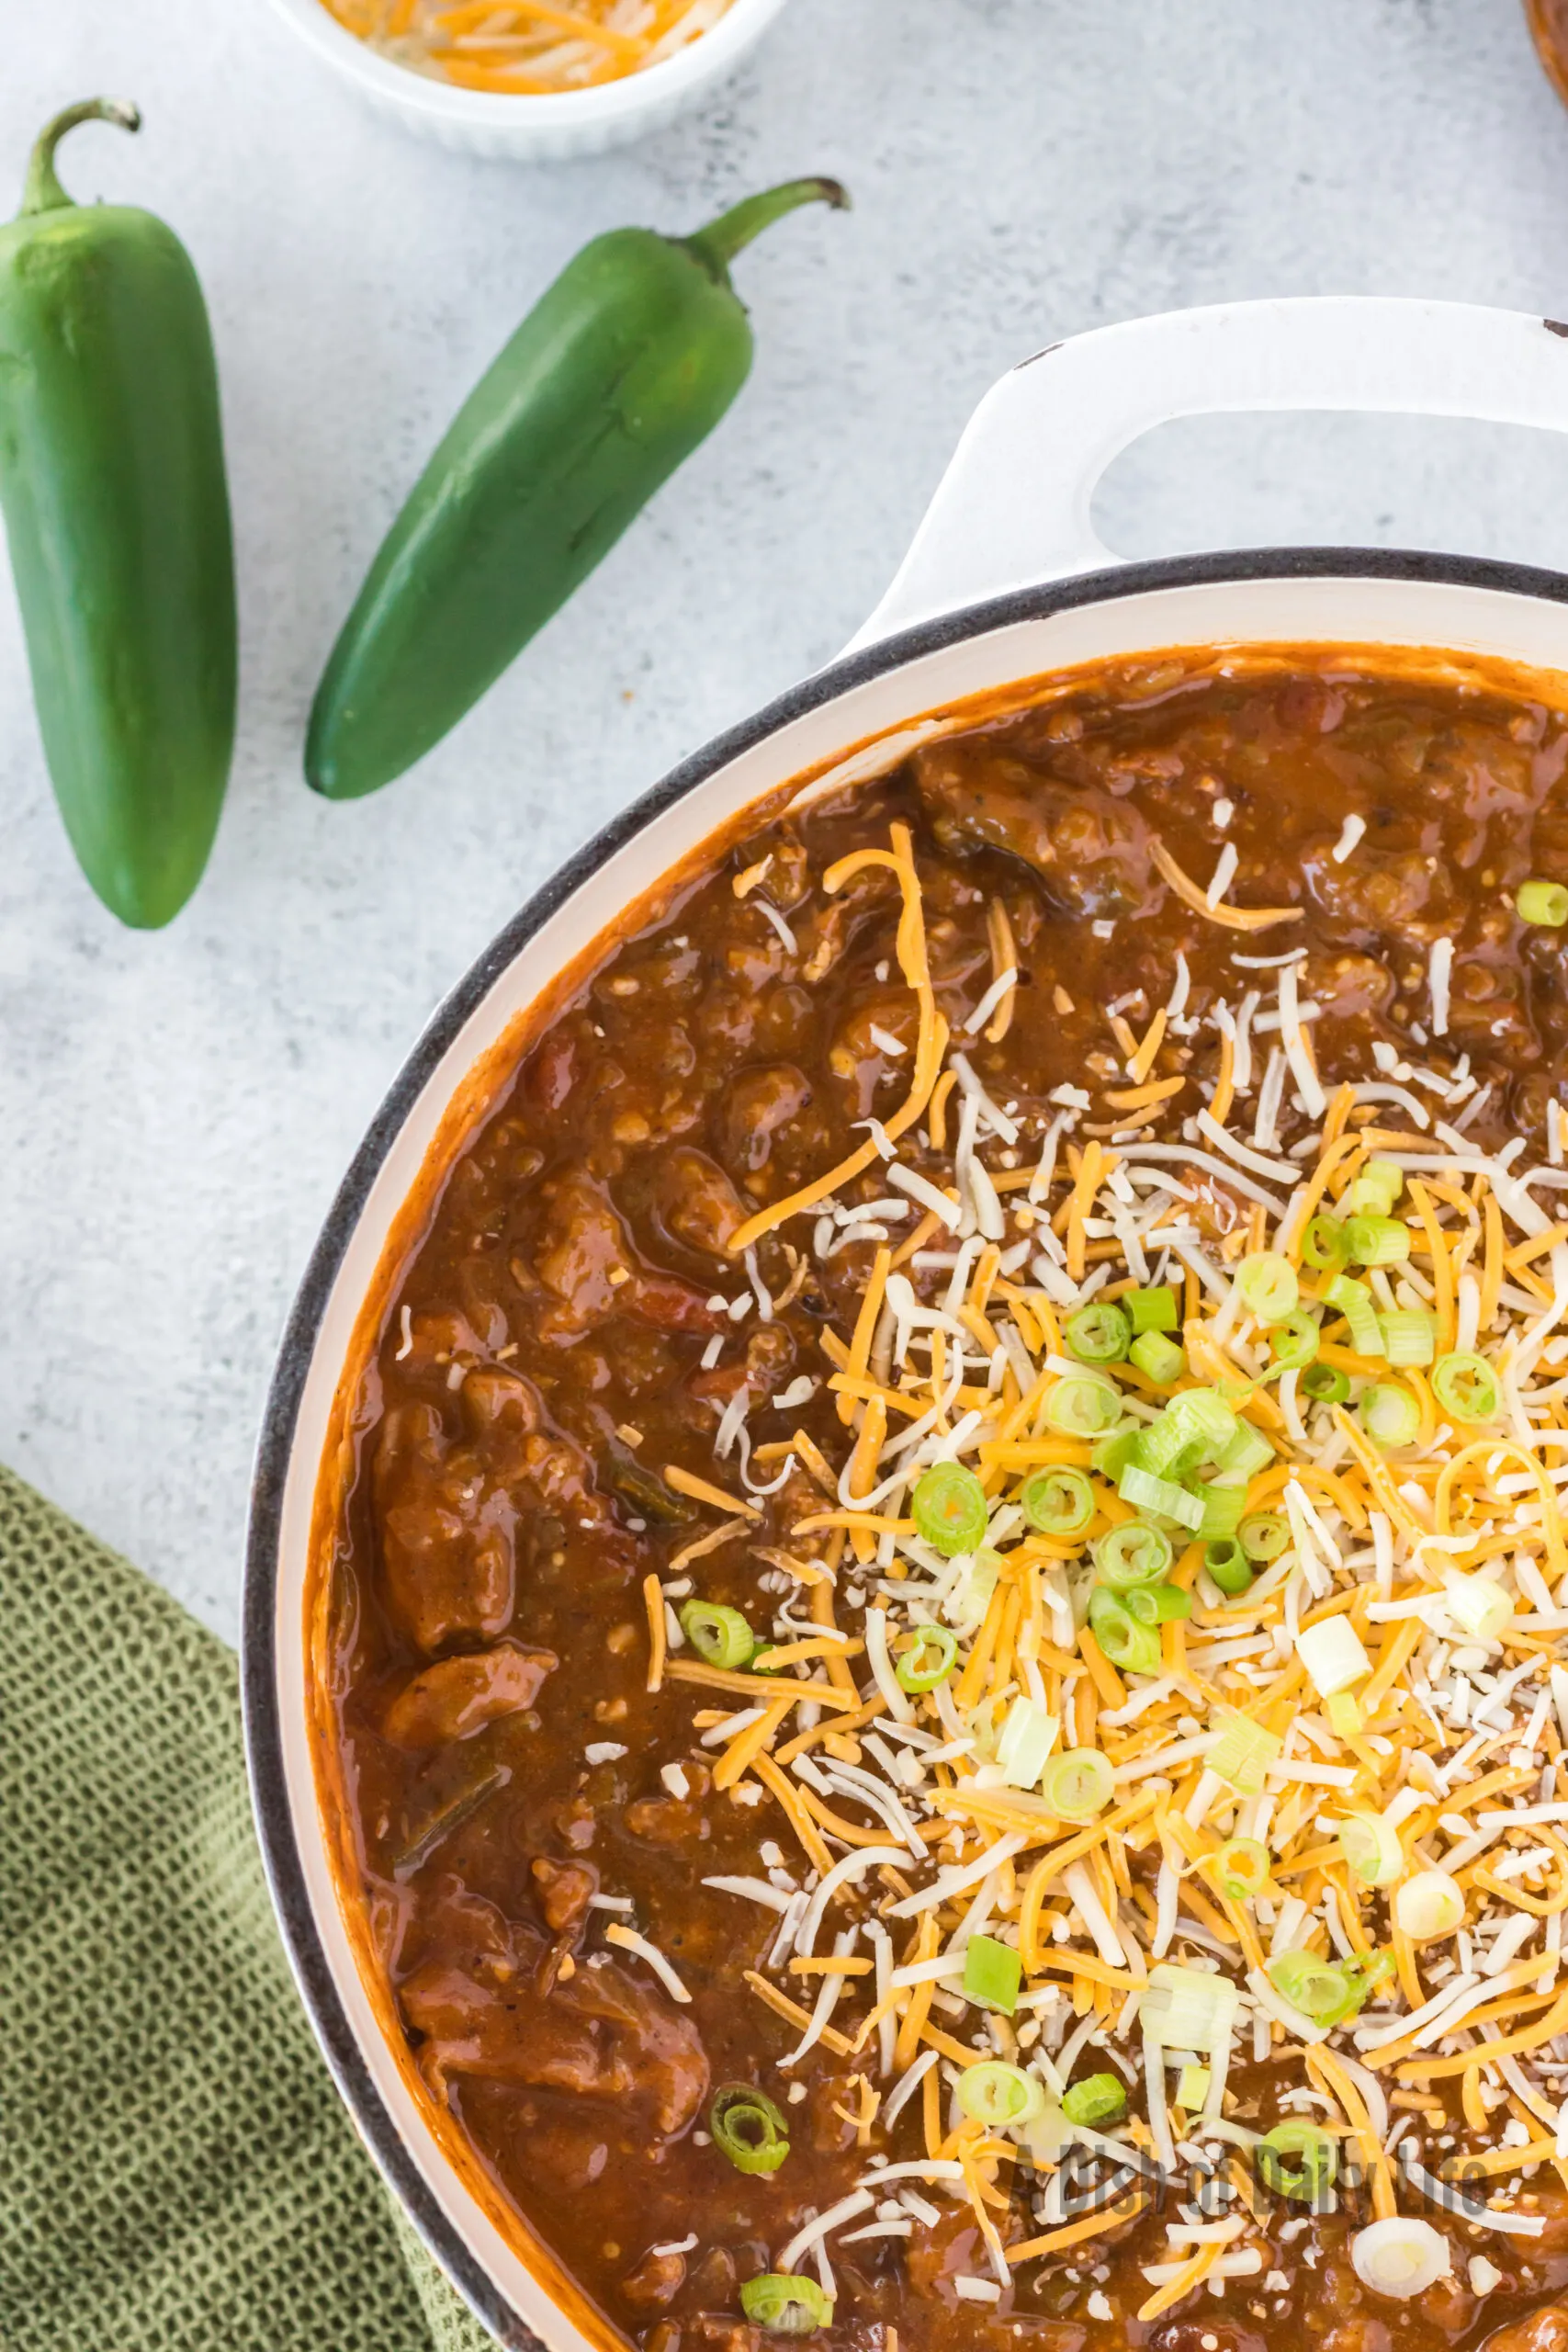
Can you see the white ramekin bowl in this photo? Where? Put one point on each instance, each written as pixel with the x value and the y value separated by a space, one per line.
pixel 535 129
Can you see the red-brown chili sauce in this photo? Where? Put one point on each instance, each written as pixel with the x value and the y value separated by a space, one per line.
pixel 565 1332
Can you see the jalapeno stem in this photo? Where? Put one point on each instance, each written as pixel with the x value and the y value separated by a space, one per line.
pixel 41 191
pixel 716 245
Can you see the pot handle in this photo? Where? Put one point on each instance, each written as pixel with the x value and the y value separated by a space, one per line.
pixel 1012 510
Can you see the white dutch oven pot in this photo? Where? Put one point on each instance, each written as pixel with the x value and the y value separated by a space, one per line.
pixel 1006 579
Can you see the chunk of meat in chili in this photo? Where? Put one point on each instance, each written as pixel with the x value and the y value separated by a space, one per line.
pixel 446 1530
pixel 586 1259
pixel 600 2034
pixel 502 1410
pixel 1377 891
pixel 766 1107
pixel 1090 850
pixel 716 2332
pixel 698 1205
pixel 872 1050
pixel 459 1695
pixel 566 1890
pixel 656 2281
pixel 670 1820
pixel 1543 2331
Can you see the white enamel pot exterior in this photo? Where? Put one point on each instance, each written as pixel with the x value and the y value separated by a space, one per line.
pixel 1005 582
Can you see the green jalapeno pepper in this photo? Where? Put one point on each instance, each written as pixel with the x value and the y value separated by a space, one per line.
pixel 117 515
pixel 618 373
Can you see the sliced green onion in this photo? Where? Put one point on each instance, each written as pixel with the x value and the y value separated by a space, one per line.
pixel 948 1508
pixel 1133 1552
pixel 1343 1709
pixel 1154 1605
pixel 1267 1285
pixel 1542 902
pixel 1223 1508
pixel 1295 1340
pixel 1478 1603
pixel 1370 1845
pixel 1334 1656
pixel 1098 1334
pixel 1319 1988
pixel 1082 1406
pixel 1400 2256
pixel 1428 1906
pixel 1204 1416
pixel 1159 1357
pixel 749 2129
pixel 1151 1310
pixel 1111 1455
pixel 1377 1240
pixel 720 1636
pixel 1192 2088
pixel 1027 1738
pixel 1354 1301
pixel 1242 1752
pixel 1247 1452
pixel 1167 1448
pixel 1079 1784
pixel 1047 2136
pixel 786 2303
pixel 1325 1383
pixel 971 1596
pixel 1297 2159
pixel 1228 1564
pixel 1466 1388
pixel 929 1659
pixel 997 2094
pixel 1131 1648
pixel 1187 2009
pixel 1323 1244
pixel 1146 1492
pixel 1057 1501
pixel 1375 1189
pixel 1366 1971
pixel 1409 1335
pixel 1390 1416
pixel 1264 1535
pixel 1242 1867
pixel 1098 2098
pixel 992 1973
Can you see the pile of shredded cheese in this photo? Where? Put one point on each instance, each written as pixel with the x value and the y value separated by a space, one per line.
pixel 896 1802
pixel 533 48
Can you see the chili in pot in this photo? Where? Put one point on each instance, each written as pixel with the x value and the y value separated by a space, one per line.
pixel 947 1636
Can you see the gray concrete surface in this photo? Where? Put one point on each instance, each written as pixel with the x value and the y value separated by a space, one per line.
pixel 177 1109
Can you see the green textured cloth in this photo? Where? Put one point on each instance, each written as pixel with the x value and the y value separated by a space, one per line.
pixel 178 2174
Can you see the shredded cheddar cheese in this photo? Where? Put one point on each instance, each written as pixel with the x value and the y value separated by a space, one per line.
pixel 930 1044
pixel 1354 1672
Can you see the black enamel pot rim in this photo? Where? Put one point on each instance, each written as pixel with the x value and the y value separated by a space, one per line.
pixel 274 1447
